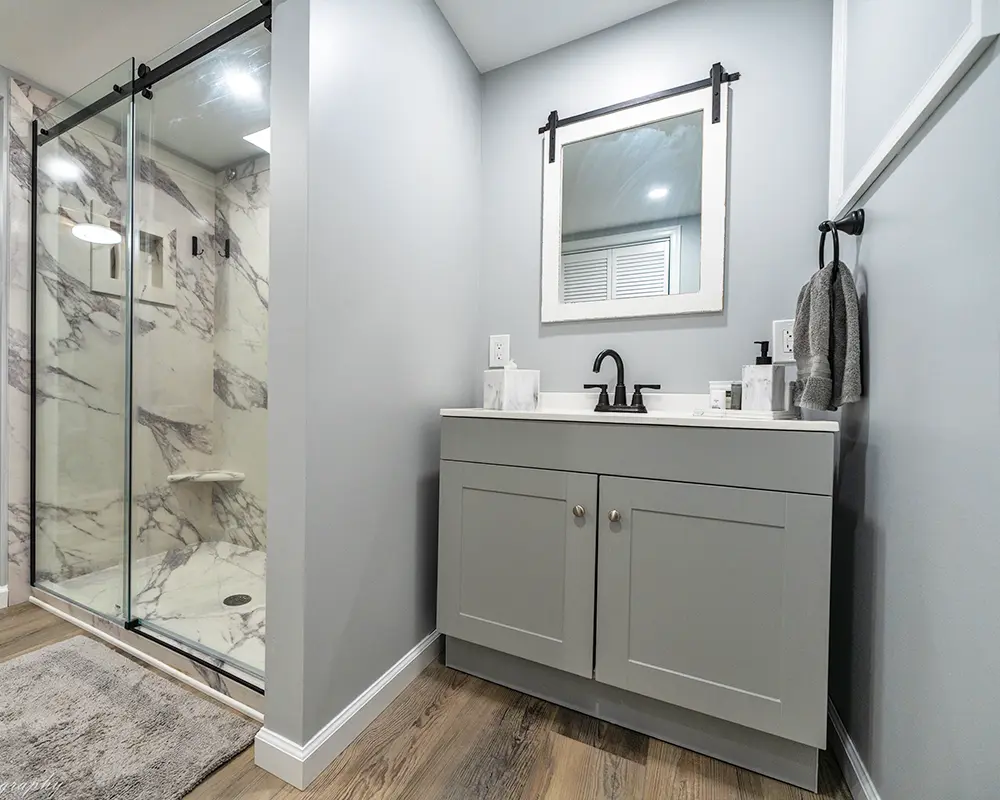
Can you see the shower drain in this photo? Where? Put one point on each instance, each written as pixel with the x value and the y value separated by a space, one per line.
pixel 237 600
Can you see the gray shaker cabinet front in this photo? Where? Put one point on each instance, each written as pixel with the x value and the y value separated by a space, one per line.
pixel 516 562
pixel 715 599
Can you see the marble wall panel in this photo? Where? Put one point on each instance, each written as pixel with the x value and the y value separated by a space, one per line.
pixel 240 371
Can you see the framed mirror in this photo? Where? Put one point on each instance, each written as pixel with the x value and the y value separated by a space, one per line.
pixel 634 212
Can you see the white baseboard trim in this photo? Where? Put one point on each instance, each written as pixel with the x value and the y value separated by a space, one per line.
pixel 855 772
pixel 3 597
pixel 164 668
pixel 299 765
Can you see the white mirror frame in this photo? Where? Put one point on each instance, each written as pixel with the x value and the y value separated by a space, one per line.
pixel 715 152
pixel 846 191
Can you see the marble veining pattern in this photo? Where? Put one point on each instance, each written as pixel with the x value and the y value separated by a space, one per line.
pixel 240 363
pixel 181 591
pixel 239 390
pixel 178 660
pixel 199 369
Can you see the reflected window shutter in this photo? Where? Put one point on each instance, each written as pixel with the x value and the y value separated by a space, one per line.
pixel 640 270
pixel 585 276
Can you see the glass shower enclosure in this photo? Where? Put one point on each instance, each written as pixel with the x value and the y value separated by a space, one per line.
pixel 149 346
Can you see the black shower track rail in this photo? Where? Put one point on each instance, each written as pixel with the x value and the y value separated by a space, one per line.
pixel 146 77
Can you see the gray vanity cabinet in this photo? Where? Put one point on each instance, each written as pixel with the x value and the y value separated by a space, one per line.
pixel 681 573
pixel 517 556
pixel 715 599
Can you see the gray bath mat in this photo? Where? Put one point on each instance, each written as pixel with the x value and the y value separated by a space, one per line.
pixel 78 721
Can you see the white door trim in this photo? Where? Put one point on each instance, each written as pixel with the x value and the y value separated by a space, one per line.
pixel 300 765
pixel 847 190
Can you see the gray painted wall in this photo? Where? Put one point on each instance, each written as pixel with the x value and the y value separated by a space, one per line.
pixel 690 253
pixel 374 291
pixel 779 157
pixel 893 45
pixel 915 634
pixel 288 332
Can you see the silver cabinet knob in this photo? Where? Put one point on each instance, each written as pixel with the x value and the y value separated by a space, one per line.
pixel 614 515
pixel 579 511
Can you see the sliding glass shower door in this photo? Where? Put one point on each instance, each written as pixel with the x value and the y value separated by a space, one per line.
pixel 199 363
pixel 80 347
pixel 149 346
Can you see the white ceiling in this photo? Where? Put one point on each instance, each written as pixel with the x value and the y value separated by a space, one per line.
pixel 500 32
pixel 607 180
pixel 65 44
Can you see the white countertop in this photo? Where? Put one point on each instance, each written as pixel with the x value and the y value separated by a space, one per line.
pixel 684 410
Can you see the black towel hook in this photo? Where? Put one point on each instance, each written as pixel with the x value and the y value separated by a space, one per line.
pixel 853 224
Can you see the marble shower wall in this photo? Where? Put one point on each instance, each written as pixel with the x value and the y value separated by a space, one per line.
pixel 199 365
pixel 243 200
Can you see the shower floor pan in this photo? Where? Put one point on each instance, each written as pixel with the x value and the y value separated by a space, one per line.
pixel 183 592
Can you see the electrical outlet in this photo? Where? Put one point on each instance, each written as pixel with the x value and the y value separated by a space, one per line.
pixel 499 350
pixel 782 342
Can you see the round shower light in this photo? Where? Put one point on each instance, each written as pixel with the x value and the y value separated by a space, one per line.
pixel 242 84
pixel 658 193
pixel 96 234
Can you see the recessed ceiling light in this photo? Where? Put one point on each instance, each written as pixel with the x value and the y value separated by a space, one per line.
pixel 62 169
pixel 242 84
pixel 658 193
pixel 96 234
pixel 261 139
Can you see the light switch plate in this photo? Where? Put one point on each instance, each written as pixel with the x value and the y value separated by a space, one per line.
pixel 499 350
pixel 781 341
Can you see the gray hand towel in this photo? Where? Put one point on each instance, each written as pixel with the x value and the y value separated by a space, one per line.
pixel 828 361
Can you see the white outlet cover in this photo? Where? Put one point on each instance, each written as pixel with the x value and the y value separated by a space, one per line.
pixel 499 350
pixel 781 331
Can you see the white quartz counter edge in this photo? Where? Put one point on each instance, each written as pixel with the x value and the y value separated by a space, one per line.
pixel 687 420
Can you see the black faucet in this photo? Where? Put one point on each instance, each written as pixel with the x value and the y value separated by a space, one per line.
pixel 620 386
pixel 637 406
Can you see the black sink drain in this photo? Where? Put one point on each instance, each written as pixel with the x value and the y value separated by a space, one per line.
pixel 237 600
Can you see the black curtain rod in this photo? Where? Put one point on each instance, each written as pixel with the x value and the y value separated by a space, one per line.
pixel 716 77
pixel 147 77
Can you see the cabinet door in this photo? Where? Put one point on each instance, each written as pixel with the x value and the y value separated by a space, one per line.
pixel 717 599
pixel 516 566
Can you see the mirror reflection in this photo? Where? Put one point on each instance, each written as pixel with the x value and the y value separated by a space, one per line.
pixel 631 215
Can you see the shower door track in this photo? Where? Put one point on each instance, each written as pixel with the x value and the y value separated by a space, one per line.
pixel 136 627
pixel 147 77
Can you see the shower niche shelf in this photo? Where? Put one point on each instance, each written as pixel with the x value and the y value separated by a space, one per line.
pixel 207 476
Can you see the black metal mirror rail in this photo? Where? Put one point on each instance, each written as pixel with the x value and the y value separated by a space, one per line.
pixel 716 77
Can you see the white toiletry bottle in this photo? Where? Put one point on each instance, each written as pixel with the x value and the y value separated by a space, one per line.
pixel 763 383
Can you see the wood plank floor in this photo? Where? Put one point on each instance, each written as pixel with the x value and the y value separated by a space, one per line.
pixel 453 737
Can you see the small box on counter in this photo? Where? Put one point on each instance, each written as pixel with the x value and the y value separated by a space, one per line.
pixel 511 389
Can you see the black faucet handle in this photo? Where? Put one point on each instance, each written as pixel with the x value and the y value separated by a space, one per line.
pixel 637 395
pixel 602 401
